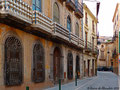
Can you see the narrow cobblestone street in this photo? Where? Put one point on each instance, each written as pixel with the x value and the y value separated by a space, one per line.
pixel 104 81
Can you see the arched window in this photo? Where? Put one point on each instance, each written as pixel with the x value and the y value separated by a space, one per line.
pixel 13 61
pixel 70 66
pixel 38 63
pixel 77 29
pixel 69 23
pixel 56 16
pixel 36 5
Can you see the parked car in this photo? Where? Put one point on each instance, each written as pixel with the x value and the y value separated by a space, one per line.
pixel 105 69
pixel 111 69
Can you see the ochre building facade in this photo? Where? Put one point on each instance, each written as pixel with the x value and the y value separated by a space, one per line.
pixel 41 42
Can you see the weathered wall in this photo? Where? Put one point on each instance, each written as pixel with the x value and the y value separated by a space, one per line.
pixel 27 41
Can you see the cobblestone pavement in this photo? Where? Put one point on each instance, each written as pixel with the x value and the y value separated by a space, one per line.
pixel 103 81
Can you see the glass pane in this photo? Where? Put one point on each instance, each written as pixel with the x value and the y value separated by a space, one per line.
pixel 38 9
pixel 33 7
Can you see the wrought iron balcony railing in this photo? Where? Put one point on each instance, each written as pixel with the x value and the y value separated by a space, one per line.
pixel 79 9
pixel 16 10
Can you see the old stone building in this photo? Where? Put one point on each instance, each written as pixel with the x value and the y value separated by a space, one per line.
pixel 116 28
pixel 90 38
pixel 41 41
pixel 105 57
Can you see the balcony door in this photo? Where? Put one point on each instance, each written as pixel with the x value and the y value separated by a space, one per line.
pixel 69 23
pixel 36 5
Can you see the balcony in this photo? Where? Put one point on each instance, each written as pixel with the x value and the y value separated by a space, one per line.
pixel 88 47
pixel 35 22
pixel 70 4
pixel 60 32
pixel 79 10
pixel 42 23
pixel 76 40
pixel 15 12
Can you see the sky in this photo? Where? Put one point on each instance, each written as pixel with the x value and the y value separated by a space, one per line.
pixel 106 12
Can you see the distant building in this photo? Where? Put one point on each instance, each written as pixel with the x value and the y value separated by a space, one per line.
pixel 105 52
pixel 116 28
pixel 90 38
pixel 43 41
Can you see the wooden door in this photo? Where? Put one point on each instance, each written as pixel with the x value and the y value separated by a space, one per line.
pixel 56 63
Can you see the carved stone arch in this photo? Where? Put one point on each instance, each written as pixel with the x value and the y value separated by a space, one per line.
pixel 52 62
pixel 38 62
pixel 13 61
pixel 70 65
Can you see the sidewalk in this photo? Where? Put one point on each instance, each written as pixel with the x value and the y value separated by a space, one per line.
pixel 71 85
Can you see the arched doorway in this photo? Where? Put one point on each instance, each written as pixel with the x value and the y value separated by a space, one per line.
pixel 56 64
pixel 70 66
pixel 38 63
pixel 77 66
